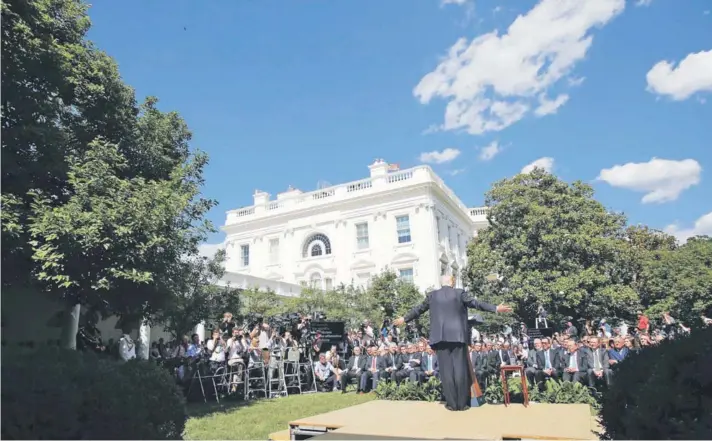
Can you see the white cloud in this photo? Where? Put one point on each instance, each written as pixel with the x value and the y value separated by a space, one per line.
pixel 548 107
pixel 494 80
pixel 576 81
pixel 437 157
pixel 662 180
pixel 546 163
pixel 702 227
pixel 209 249
pixel 454 2
pixel 692 75
pixel 643 2
pixel 456 172
pixel 488 152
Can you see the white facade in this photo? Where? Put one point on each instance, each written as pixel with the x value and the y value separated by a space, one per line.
pixel 406 220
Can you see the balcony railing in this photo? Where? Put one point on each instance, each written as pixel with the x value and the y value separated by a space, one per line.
pixel 298 201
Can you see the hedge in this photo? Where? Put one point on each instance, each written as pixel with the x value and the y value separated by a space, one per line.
pixel 54 393
pixel 663 392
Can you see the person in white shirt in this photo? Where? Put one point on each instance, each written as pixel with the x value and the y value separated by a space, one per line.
pixel 127 348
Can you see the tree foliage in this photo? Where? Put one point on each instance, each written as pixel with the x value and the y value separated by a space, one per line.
pixel 101 197
pixel 199 297
pixel 678 280
pixel 551 243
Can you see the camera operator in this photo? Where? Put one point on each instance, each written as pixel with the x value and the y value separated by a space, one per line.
pixel 277 349
pixel 262 333
pixel 301 327
pixel 227 325
pixel 237 347
pixel 216 349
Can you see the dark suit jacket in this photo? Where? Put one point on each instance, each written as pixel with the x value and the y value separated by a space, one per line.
pixel 361 362
pixel 553 358
pixel 480 361
pixel 581 361
pixel 380 362
pixel 602 358
pixel 392 360
pixel 532 359
pixel 424 362
pixel 448 314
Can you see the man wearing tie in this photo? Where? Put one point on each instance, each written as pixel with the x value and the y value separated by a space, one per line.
pixel 598 369
pixel 574 364
pixel 392 361
pixel 449 336
pixel 354 369
pixel 430 364
pixel 374 365
pixel 548 360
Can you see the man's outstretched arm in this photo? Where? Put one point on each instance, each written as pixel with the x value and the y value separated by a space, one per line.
pixel 414 313
pixel 471 302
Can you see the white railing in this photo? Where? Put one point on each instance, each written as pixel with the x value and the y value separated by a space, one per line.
pixel 404 178
pixel 479 211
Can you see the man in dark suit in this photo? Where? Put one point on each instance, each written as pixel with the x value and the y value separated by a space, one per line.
pixel 429 364
pixel 354 369
pixel 449 335
pixel 480 363
pixel 393 363
pixel 375 364
pixel 533 370
pixel 548 360
pixel 598 368
pixel 574 364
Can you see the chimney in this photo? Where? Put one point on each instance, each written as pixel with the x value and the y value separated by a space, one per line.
pixel 378 168
pixel 261 197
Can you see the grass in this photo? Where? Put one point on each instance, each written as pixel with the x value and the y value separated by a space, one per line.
pixel 257 419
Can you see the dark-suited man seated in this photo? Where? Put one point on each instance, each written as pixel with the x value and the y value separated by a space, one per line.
pixel 548 361
pixel 429 365
pixel 324 374
pixel 480 363
pixel 599 370
pixel 411 365
pixel 532 370
pixel 392 361
pixel 372 372
pixel 353 370
pixel 574 364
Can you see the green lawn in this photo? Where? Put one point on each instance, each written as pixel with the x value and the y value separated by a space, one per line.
pixel 257 419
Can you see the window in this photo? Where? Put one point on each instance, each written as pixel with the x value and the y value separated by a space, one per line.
pixel 403 228
pixel 328 284
pixel 362 236
pixel 406 275
pixel 316 245
pixel 315 280
pixel 274 250
pixel 245 255
pixel 363 279
pixel 303 283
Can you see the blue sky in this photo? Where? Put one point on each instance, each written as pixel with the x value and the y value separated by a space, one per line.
pixel 294 92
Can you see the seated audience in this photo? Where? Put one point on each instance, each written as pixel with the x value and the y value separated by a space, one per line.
pixel 599 368
pixel 324 374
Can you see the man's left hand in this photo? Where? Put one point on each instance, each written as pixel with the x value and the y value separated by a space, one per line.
pixel 399 321
pixel 504 308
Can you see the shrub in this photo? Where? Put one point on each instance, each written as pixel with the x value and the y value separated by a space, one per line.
pixel 431 390
pixel 664 392
pixel 554 392
pixel 55 393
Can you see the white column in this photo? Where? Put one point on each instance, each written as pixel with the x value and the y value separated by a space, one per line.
pixel 200 330
pixel 144 340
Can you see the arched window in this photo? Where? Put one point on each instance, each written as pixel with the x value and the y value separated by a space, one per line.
pixel 316 245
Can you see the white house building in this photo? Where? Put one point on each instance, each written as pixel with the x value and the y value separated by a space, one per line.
pixel 405 220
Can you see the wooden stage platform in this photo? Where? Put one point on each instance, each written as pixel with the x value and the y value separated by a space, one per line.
pixel 393 420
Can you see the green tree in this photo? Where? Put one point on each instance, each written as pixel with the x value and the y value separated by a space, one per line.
pixel 394 297
pixel 101 197
pixel 679 280
pixel 349 304
pixel 199 297
pixel 552 243
pixel 264 303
